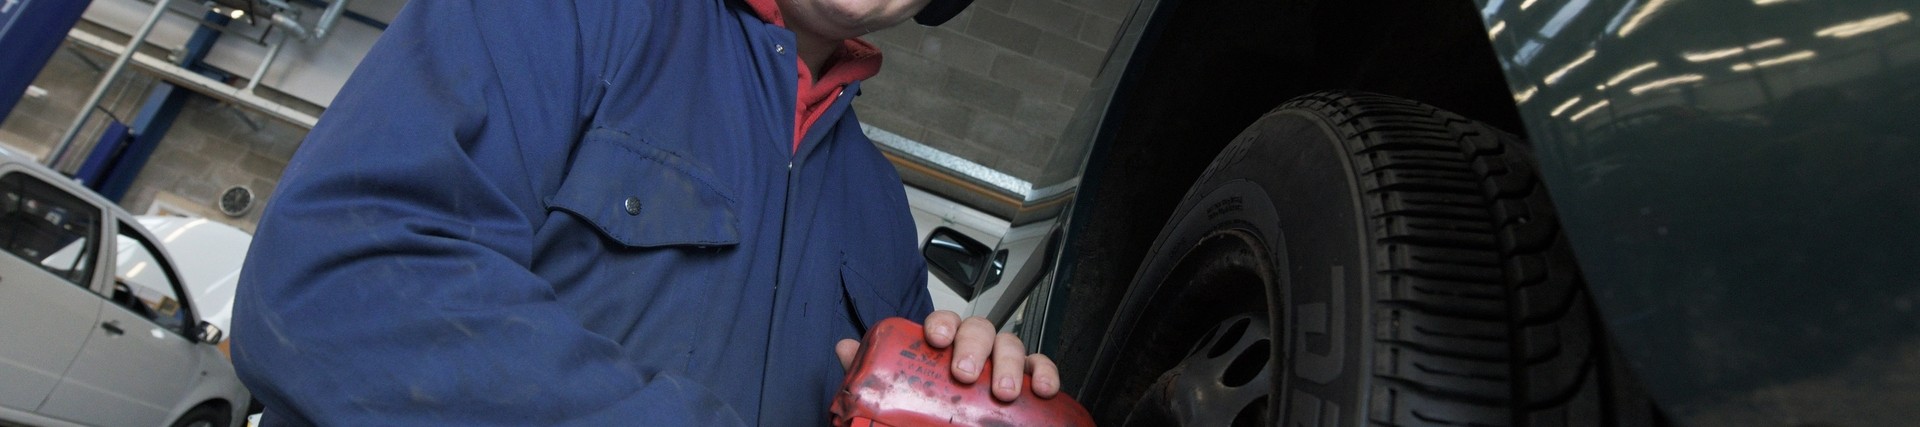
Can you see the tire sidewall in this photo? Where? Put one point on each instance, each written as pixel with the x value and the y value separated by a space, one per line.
pixel 1288 182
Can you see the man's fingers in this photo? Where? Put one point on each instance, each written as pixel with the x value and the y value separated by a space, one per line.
pixel 846 349
pixel 1046 376
pixel 940 326
pixel 972 345
pixel 1009 356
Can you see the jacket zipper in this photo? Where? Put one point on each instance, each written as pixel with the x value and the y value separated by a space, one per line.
pixel 773 303
pixel 786 212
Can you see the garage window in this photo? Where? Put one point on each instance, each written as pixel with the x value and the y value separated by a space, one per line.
pixel 48 227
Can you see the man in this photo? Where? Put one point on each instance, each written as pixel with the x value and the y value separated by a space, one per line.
pixel 596 212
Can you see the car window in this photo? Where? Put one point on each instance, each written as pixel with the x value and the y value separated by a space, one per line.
pixel 143 283
pixel 48 227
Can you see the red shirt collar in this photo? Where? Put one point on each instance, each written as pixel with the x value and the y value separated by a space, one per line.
pixel 768 10
pixel 855 60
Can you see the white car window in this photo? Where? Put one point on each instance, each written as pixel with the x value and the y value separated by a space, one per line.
pixel 47 227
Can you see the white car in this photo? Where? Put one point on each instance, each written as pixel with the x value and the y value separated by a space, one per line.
pixel 96 325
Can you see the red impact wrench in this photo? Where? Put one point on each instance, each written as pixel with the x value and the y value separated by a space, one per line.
pixel 897 380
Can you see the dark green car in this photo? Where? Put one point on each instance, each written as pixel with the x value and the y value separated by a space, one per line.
pixel 1489 213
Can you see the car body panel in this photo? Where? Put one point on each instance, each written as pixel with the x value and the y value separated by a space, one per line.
pixel 1737 181
pixel 1062 177
pixel 33 419
pixel 47 322
pixel 118 371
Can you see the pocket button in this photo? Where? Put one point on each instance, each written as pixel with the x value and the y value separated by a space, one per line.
pixel 633 205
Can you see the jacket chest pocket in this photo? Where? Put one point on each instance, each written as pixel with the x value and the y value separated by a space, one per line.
pixel 641 196
pixel 873 294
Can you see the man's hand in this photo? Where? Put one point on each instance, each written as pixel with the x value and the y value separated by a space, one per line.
pixel 974 342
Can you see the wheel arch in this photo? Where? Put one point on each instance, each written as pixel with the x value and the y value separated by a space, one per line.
pixel 1205 69
pixel 216 385
pixel 219 404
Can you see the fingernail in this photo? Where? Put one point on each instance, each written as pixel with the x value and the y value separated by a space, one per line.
pixel 942 331
pixel 967 365
pixel 1006 384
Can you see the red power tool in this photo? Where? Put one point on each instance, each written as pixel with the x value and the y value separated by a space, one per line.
pixel 898 380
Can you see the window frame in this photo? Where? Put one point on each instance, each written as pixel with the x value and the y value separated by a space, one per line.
pixel 93 264
pixel 126 226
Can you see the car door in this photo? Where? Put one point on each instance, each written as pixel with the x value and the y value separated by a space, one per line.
pixel 46 311
pixel 139 362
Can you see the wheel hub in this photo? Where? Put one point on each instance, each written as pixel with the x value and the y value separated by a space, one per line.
pixel 1226 379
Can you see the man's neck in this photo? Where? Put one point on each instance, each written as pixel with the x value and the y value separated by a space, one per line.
pixel 814 51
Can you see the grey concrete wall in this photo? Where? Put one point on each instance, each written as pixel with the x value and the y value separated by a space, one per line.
pixel 995 85
pixel 211 147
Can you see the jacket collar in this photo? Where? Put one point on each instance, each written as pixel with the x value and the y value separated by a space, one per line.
pixel 856 59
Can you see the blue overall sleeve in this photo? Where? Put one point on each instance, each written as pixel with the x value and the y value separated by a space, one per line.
pixel 390 281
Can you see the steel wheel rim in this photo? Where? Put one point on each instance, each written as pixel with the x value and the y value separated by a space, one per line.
pixel 1225 379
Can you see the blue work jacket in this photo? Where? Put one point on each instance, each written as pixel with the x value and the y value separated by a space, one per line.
pixel 572 212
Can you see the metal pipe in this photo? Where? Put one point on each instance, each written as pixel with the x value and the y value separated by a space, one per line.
pixel 328 19
pixel 175 74
pixel 258 73
pixel 290 25
pixel 364 19
pixel 106 80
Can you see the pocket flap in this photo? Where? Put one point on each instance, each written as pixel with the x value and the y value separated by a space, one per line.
pixel 643 196
pixel 867 304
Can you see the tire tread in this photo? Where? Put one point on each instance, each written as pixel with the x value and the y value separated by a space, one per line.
pixel 1473 327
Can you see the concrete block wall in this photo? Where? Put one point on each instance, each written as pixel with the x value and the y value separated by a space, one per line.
pixel 995 85
pixel 213 146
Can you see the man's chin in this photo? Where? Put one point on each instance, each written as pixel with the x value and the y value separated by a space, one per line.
pixel 851 28
pixel 858 17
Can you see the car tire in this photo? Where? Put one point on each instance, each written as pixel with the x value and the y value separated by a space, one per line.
pixel 1406 261
pixel 205 415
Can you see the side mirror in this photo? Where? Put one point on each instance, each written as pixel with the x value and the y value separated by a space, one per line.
pixel 207 333
pixel 965 265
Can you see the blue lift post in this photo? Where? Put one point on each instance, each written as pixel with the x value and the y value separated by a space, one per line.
pixel 113 164
pixel 31 31
pixel 112 140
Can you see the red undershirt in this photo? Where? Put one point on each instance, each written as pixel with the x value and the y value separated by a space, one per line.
pixel 855 60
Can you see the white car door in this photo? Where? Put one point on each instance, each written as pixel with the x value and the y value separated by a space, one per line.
pixel 46 311
pixel 139 362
